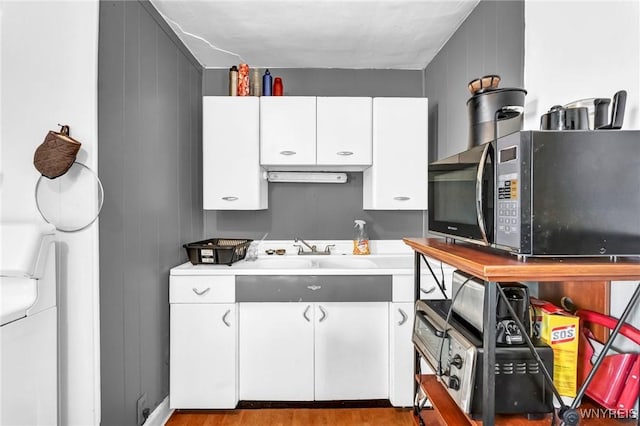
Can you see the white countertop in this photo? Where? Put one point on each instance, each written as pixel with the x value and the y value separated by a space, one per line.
pixel 17 295
pixel 388 257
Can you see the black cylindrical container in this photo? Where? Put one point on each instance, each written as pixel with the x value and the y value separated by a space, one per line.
pixel 561 118
pixel 518 297
pixel 485 107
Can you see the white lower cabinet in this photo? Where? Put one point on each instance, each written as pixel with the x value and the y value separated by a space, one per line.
pixel 401 354
pixel 401 316
pixel 203 357
pixel 222 351
pixel 314 351
pixel 351 351
pixel 276 351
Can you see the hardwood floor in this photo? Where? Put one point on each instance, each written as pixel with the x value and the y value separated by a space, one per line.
pixel 294 417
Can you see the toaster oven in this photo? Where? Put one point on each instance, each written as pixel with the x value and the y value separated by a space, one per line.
pixel 455 353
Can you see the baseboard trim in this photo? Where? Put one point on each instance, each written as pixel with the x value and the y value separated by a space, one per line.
pixel 360 403
pixel 160 415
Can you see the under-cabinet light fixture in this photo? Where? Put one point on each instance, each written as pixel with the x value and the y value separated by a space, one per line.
pixel 307 177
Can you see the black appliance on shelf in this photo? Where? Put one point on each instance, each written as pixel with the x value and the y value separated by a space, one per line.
pixel 542 193
pixel 456 353
pixel 469 308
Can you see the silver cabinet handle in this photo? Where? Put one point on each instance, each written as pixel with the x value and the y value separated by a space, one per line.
pixel 324 314
pixel 404 317
pixel 224 318
pixel 430 290
pixel 345 153
pixel 287 152
pixel 401 198
pixel 314 287
pixel 201 293
pixel 230 198
pixel 306 311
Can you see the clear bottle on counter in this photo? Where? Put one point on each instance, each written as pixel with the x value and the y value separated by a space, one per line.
pixel 361 240
pixel 233 81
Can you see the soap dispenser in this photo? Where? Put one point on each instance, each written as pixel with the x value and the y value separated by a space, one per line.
pixel 361 240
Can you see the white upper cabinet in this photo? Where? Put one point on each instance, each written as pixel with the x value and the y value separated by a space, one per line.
pixel 231 172
pixel 344 131
pixel 287 130
pixel 397 180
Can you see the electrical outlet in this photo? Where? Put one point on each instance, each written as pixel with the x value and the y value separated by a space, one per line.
pixel 140 408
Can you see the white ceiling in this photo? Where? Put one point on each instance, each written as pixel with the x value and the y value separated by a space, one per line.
pixel 383 34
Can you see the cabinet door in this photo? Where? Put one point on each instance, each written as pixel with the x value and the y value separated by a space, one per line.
pixel 352 351
pixel 276 351
pixel 401 354
pixel 287 130
pixel 231 173
pixel 29 369
pixel 203 349
pixel 344 131
pixel 397 180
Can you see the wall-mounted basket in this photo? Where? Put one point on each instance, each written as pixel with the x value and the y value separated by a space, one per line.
pixel 56 154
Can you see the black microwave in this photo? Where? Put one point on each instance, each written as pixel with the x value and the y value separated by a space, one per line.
pixel 542 193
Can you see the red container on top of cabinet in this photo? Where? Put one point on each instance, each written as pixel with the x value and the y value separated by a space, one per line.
pixel 278 87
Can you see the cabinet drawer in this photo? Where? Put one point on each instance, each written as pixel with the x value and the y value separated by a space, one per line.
pixel 403 285
pixel 202 289
pixel 314 288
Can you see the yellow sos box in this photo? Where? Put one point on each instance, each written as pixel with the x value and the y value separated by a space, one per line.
pixel 560 330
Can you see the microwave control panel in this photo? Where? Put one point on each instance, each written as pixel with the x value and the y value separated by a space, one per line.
pixel 507 211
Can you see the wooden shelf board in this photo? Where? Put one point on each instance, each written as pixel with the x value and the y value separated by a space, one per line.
pixel 443 404
pixel 491 265
pixel 429 418
pixel 447 411
pixel 586 280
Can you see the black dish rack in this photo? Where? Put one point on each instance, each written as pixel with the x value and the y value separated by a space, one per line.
pixel 217 251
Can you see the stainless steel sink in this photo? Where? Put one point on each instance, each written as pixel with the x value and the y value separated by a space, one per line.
pixel 281 263
pixel 346 263
pixel 331 262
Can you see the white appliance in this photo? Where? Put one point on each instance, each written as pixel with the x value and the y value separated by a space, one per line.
pixel 28 325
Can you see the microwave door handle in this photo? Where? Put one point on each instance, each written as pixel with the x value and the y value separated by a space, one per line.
pixel 479 193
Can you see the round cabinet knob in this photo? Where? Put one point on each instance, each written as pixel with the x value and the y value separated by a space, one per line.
pixel 457 361
pixel 454 383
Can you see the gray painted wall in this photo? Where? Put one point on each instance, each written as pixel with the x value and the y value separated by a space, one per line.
pixel 150 116
pixel 319 211
pixel 489 41
pixel 149 121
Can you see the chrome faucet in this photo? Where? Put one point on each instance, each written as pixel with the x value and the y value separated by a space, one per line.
pixel 313 248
